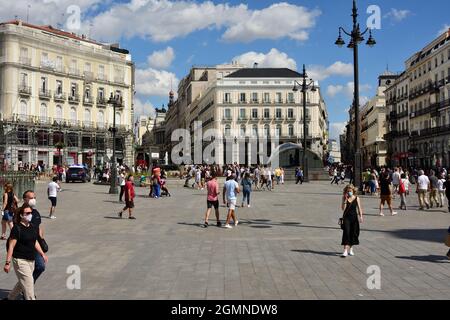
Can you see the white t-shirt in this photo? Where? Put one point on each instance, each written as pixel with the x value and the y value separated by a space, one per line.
pixel 53 188
pixel 441 185
pixel 423 182
pixel 230 187
pixel 121 180
pixel 405 183
pixel 396 178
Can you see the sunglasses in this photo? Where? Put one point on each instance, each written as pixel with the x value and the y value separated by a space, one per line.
pixel 27 213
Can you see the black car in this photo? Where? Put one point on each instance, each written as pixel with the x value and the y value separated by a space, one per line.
pixel 77 174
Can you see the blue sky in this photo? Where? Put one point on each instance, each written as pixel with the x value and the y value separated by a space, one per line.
pixel 207 33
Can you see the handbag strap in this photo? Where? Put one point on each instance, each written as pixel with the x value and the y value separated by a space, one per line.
pixel 348 205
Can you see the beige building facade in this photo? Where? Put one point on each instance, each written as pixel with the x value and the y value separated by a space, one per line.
pixel 55 88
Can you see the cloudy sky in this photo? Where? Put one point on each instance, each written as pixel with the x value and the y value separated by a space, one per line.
pixel 167 37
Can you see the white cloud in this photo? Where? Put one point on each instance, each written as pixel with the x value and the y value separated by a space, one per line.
pixel 398 15
pixel 161 59
pixel 272 59
pixel 143 108
pixel 339 68
pixel 153 82
pixel 280 20
pixel 336 129
pixel 347 90
pixel 444 29
pixel 164 20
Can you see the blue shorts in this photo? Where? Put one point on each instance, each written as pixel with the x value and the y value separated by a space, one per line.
pixel 53 201
pixel 8 216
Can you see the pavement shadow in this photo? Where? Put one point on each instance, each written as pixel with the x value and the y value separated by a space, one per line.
pixel 429 258
pixel 4 293
pixel 323 253
pixel 193 224
pixel 114 201
pixel 116 218
pixel 430 235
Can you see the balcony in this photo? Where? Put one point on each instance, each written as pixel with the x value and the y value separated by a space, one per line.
pixel 278 119
pixel 227 119
pixel 393 115
pixel 226 102
pixel 403 114
pixel 254 102
pixel 74 72
pixel 290 119
pixel 102 77
pixel 89 124
pixel 25 61
pixel 74 98
pixel 88 101
pixel 24 90
pixel 44 94
pixel 88 75
pixel 242 119
pixel 44 120
pixel 101 102
pixel 254 119
pixel 59 97
pixel 119 80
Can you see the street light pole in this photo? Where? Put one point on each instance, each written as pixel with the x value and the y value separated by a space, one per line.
pixel 113 185
pixel 356 37
pixel 305 86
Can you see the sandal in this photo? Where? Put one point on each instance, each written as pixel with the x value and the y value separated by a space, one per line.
pixel 3 237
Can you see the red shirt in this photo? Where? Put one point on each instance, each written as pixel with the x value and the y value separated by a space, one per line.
pixel 213 189
pixel 129 187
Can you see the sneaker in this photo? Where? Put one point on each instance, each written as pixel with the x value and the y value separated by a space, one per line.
pixel 236 223
pixel 381 214
pixel 132 218
pixel 248 206
pixel 227 226
pixel 351 253
pixel 345 254
pixel 219 224
pixel 52 217
pixel 428 207
pixel 394 213
pixel 120 214
pixel 205 225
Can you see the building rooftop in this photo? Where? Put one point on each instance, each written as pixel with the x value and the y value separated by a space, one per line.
pixel 265 73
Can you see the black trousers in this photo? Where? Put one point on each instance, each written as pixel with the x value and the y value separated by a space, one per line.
pixel 122 191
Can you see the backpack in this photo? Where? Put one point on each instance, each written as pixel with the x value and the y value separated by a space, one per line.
pixel 401 188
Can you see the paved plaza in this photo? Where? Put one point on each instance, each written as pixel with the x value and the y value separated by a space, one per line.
pixel 286 246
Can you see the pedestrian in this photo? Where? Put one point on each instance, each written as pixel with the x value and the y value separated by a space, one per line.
pixel 386 194
pixel 257 177
pixel 29 198
pixel 122 185
pixel 447 191
pixel 23 245
pixel 403 190
pixel 395 181
pixel 282 175
pixel 447 242
pixel 230 190
pixel 299 176
pixel 212 200
pixel 434 190
pixel 246 189
pixel 129 198
pixel 423 185
pixel 52 192
pixel 441 190
pixel 351 205
pixel 9 206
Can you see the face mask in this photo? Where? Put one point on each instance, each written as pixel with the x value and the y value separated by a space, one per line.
pixel 350 194
pixel 28 217
pixel 32 203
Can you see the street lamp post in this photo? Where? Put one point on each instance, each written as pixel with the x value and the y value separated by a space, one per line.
pixel 356 37
pixel 113 185
pixel 304 88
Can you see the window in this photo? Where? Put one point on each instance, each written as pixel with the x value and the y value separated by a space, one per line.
pixel 255 130
pixel 24 52
pixel 101 72
pixel 435 62
pixel 59 64
pixel 278 113
pixel 290 113
pixel 73 66
pixel 291 97
pixel 87 115
pixel 242 131
pixel 23 80
pixel 101 119
pixel 266 130
pixel 242 97
pixel 73 114
pixel 291 130
pixel 227 114
pixel 118 117
pixel 43 84
pixel 23 110
pixel 87 93
pixel 44 58
pixel 279 99
pixel 242 114
pixel 278 131
pixel 58 113
pixel 87 67
pixel 227 98
pixel 254 113
pixel 429 65
pixel 59 88
pixel 254 97
pixel 101 93
pixel 266 97
pixel 43 111
pixel 73 89
pixel 227 130
pixel 266 113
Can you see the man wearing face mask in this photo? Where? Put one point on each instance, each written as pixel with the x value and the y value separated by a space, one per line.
pixel 29 198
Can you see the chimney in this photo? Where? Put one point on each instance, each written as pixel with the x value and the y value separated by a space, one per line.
pixel 255 65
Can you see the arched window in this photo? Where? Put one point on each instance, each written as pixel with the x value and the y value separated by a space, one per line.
pixel 87 115
pixel 291 130
pixel 43 111
pixel 118 118
pixel 255 130
pixel 242 131
pixel 23 110
pixel 58 113
pixel 278 130
pixel 73 115
pixel 101 119
pixel 266 131
pixel 227 130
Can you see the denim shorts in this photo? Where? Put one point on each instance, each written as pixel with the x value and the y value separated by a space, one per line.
pixel 8 216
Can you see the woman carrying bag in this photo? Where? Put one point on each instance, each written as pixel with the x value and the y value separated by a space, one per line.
pixel 22 246
pixel 10 202
pixel 351 205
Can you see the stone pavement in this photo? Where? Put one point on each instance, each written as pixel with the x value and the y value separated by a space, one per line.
pixel 286 246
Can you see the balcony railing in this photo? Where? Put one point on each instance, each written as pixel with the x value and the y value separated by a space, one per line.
pixel 288 118
pixel 88 101
pixel 60 69
pixel 24 90
pixel 74 98
pixel 403 114
pixel 102 77
pixel 88 75
pixel 25 61
pixel 224 118
pixel 101 102
pixel 242 118
pixel 59 96
pixel 74 72
pixel 44 94
pixel 278 119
